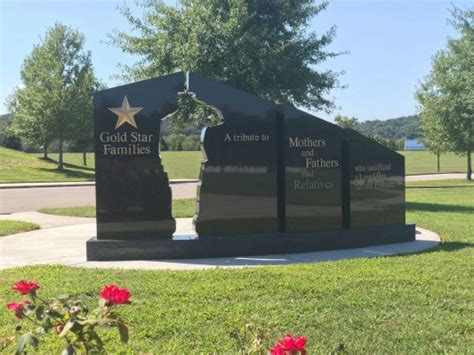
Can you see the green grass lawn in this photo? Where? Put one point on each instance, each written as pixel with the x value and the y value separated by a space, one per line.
pixel 17 166
pixel 11 227
pixel 420 303
pixel 179 165
pixel 21 167
pixel 181 209
pixel 425 163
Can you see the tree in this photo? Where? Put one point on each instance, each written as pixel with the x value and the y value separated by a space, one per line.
pixel 347 122
pixel 261 46
pixel 446 96
pixel 433 137
pixel 57 78
pixel 83 123
pixel 28 109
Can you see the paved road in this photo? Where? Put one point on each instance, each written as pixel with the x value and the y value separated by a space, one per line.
pixel 33 198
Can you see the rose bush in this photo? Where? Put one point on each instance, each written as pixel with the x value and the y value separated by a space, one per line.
pixel 252 339
pixel 289 346
pixel 67 318
pixel 25 287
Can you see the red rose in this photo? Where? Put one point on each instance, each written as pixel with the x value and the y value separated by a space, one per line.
pixel 277 350
pixel 25 287
pixel 116 295
pixel 18 308
pixel 289 345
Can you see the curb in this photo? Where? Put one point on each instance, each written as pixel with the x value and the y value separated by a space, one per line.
pixel 74 184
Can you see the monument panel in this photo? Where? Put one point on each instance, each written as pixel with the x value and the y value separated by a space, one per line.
pixel 133 197
pixel 312 172
pixel 377 182
pixel 238 189
pixel 273 178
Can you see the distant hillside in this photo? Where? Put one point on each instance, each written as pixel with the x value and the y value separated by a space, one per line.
pixel 406 127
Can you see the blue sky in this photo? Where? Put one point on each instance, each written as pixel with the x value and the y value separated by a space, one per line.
pixel 390 43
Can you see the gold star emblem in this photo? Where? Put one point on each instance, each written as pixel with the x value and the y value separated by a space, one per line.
pixel 125 113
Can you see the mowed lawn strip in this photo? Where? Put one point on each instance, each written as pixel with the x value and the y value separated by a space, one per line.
pixel 17 166
pixel 420 303
pixel 424 162
pixel 11 227
pixel 185 165
pixel 178 165
pixel 181 209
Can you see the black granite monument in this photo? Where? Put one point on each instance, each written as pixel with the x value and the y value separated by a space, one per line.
pixel 273 179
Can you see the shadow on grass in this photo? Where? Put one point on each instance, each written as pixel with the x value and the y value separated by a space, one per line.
pixel 438 207
pixel 443 247
pixel 70 173
pixel 68 165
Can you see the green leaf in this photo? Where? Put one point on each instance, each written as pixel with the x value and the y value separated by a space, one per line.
pixel 33 340
pixel 27 338
pixel 67 327
pixel 47 324
pixel 40 312
pixel 20 346
pixel 90 322
pixel 123 330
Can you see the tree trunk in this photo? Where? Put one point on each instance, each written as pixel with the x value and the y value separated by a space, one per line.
pixel 84 158
pixel 438 161
pixel 469 165
pixel 60 162
pixel 45 151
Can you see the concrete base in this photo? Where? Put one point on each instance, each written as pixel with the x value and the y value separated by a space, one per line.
pixel 245 245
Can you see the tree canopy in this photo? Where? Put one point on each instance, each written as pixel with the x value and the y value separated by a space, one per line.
pixel 446 96
pixel 55 100
pixel 261 46
pixel 347 122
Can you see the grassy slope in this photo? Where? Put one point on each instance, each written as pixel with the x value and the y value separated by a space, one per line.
pixel 181 208
pixel 11 227
pixel 425 163
pixel 419 303
pixel 186 164
pixel 17 166
pixel 20 167
pixel 179 165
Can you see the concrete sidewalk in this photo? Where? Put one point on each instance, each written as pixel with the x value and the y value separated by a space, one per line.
pixel 63 241
pixel 431 177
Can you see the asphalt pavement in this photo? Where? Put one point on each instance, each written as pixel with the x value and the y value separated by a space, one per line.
pixel 29 197
pixel 33 198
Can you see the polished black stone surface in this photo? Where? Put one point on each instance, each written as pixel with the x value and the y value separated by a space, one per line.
pixel 238 189
pixel 248 244
pixel 273 179
pixel 133 196
pixel 377 182
pixel 312 162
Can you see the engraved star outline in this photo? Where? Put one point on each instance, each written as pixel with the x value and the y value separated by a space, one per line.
pixel 125 113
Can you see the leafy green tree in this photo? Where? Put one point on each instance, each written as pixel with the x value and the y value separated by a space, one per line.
pixel 83 123
pixel 434 137
pixel 347 122
pixel 57 78
pixel 28 109
pixel 446 96
pixel 261 46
